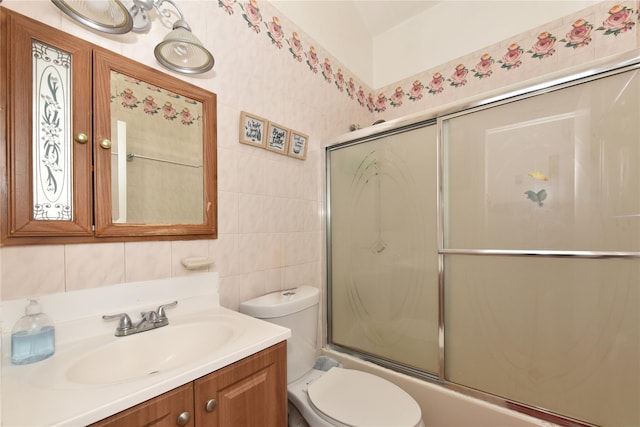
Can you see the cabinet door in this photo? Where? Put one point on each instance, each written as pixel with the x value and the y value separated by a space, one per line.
pixel 173 408
pixel 156 173
pixel 46 93
pixel 249 393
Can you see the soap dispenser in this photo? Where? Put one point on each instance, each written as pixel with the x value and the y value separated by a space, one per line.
pixel 33 336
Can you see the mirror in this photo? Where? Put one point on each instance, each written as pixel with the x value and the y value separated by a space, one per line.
pixel 156 154
pixel 157 169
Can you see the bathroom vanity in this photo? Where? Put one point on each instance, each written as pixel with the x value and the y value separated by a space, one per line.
pixel 244 393
pixel 209 366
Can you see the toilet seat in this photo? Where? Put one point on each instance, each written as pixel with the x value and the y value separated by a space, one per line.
pixel 356 398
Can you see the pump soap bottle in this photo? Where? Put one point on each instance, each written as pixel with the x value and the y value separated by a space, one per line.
pixel 33 336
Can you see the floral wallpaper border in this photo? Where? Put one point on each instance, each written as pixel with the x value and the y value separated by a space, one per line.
pixel 620 19
pixel 130 94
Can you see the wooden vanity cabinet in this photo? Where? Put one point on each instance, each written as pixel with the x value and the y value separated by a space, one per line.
pixel 251 392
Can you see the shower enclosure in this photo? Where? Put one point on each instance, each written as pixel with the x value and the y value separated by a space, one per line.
pixel 496 249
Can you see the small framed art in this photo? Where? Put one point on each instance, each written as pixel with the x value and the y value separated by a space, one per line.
pixel 278 138
pixel 298 145
pixel 253 129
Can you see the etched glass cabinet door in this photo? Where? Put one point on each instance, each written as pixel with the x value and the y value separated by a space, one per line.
pixel 47 96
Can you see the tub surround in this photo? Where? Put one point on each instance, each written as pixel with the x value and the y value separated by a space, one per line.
pixel 79 325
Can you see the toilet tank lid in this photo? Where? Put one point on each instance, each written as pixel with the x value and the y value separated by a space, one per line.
pixel 281 303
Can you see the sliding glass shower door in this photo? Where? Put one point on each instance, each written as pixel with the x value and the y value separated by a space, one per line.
pixel 384 261
pixel 497 249
pixel 542 238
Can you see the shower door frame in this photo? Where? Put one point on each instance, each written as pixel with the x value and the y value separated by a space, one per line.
pixel 383 131
pixel 436 117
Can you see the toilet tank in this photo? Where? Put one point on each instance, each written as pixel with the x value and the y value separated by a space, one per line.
pixel 296 309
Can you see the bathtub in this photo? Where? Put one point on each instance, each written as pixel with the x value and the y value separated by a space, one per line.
pixel 442 407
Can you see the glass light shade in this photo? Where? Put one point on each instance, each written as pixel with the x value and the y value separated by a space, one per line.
pixel 182 51
pixel 109 16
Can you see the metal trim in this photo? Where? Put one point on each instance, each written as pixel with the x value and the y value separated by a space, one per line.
pixel 541 253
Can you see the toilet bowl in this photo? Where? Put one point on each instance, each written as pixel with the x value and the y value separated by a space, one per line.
pixel 337 396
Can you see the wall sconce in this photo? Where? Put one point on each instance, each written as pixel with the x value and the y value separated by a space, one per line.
pixel 180 50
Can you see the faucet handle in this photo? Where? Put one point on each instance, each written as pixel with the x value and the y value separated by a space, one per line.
pixel 149 316
pixel 125 324
pixel 162 315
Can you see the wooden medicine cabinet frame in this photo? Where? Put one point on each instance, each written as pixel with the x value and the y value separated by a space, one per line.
pixel 91 171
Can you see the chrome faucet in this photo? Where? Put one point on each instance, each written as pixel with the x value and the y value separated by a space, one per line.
pixel 148 320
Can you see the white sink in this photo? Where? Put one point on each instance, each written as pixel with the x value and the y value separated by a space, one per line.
pixel 151 352
pixel 110 360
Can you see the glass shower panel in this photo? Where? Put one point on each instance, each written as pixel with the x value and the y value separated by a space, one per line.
pixel 557 171
pixel 557 333
pixel 383 248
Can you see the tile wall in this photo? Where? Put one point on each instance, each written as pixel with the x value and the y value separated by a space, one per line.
pixel 270 206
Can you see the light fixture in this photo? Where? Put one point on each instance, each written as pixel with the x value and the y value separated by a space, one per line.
pixel 109 16
pixel 180 50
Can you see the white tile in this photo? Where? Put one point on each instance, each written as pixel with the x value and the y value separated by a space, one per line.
pixel 294 215
pixel 251 285
pixel 31 270
pixel 292 249
pixel 312 215
pixel 299 275
pixel 225 253
pixel 275 215
pixel 250 248
pixel 251 218
pixel 228 170
pixel 272 250
pixel 147 260
pixel 229 290
pixel 228 133
pixel 91 265
pixel 228 207
pixel 251 178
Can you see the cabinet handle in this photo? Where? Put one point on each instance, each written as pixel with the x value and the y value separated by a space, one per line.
pixel 82 138
pixel 105 143
pixel 183 418
pixel 211 405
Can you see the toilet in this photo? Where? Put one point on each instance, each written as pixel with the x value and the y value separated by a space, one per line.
pixel 321 396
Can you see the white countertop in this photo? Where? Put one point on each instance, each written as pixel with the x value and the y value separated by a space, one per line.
pixel 39 395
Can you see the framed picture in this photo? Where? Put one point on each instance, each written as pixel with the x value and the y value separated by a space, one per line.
pixel 298 144
pixel 253 129
pixel 278 138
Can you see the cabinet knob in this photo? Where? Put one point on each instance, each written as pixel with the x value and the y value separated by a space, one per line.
pixel 211 405
pixel 82 138
pixel 105 143
pixel 183 418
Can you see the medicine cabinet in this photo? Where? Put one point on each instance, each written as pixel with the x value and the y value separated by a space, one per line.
pixel 99 147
